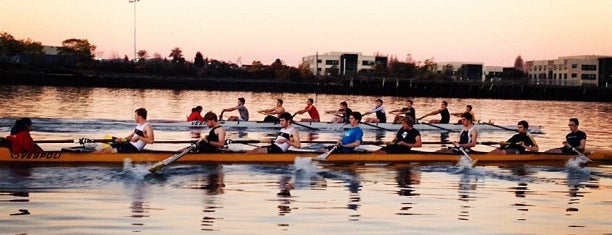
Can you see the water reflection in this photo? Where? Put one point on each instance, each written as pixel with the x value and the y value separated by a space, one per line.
pixel 354 186
pixel 406 178
pixel 139 207
pixel 214 184
pixel 467 187
pixel 285 185
pixel 520 191
pixel 578 179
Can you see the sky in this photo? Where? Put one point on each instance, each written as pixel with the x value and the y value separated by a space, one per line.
pixel 493 32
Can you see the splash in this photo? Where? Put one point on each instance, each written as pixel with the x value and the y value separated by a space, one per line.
pixel 132 170
pixel 305 164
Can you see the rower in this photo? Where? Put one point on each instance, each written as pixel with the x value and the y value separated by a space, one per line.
pixel 196 114
pixel 215 138
pixel 468 109
pixel 278 110
pixel 287 137
pixel 352 137
pixel 381 117
pixel 407 111
pixel 444 114
pixel 575 140
pixel 519 143
pixel 468 138
pixel 242 110
pixel 406 138
pixel 136 141
pixel 342 114
pixel 312 111
pixel 20 139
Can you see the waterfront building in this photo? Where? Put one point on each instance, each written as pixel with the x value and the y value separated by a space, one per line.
pixel 461 70
pixel 342 63
pixel 590 70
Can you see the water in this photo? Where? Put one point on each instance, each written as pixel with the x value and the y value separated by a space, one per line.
pixel 314 198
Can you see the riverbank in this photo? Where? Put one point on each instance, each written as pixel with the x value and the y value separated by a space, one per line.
pixel 370 86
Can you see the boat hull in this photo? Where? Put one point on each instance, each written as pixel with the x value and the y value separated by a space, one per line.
pixel 155 156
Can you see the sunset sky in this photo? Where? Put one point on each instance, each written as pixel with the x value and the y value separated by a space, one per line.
pixel 493 32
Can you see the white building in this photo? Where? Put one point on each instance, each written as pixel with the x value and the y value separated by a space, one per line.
pixel 566 70
pixel 341 63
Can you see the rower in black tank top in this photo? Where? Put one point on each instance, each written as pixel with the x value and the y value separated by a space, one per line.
pixel 204 147
pixel 445 116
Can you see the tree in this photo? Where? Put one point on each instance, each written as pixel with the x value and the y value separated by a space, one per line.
pixel 10 46
pixel 177 55
pixel 81 48
pixel 142 55
pixel 519 65
pixel 198 61
pixel 305 72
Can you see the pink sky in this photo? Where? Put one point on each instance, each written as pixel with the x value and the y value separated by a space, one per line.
pixel 490 31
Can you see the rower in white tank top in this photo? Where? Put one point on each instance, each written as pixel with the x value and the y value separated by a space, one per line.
pixel 285 133
pixel 139 144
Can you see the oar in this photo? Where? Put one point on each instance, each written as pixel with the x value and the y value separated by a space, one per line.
pixel 161 164
pixel 302 125
pixel 324 156
pixel 465 161
pixel 501 127
pixel 86 140
pixel 73 141
pixel 578 161
pixel 435 126
pixel 306 126
pixel 375 126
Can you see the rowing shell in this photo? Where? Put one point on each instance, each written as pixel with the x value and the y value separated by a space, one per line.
pixel 343 126
pixel 155 156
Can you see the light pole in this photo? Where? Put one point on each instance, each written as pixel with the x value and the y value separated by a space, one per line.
pixel 134 2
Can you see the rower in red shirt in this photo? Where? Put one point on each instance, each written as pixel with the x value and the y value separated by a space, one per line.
pixel 21 141
pixel 312 111
pixel 196 114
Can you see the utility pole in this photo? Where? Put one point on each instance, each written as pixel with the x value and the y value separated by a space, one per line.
pixel 134 2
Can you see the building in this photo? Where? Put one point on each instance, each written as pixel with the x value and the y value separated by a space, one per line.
pixel 342 63
pixel 461 70
pixel 572 70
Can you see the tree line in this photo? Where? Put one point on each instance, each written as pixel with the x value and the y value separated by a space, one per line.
pixel 78 55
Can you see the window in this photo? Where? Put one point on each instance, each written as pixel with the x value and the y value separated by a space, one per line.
pixel 319 61
pixel 367 63
pixel 574 75
pixel 574 66
pixel 319 69
pixel 331 62
pixel 589 67
pixel 589 77
pixel 565 76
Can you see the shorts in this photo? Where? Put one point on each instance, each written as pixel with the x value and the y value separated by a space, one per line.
pixel 207 148
pixel 271 118
pixel 274 149
pixel 125 147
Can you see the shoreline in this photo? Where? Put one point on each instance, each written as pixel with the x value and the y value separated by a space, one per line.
pixel 370 86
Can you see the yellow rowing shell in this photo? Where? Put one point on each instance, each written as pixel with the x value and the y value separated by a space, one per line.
pixel 155 156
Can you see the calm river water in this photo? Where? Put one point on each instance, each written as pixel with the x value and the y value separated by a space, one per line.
pixel 242 199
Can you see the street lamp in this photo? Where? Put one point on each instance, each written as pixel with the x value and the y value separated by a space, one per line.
pixel 134 2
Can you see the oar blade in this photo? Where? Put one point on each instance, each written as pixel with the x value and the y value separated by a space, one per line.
pixel 161 164
pixel 325 155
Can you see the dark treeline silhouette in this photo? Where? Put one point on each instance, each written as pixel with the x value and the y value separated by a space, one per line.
pixel 77 55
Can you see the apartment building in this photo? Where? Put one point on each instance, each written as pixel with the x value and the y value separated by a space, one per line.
pixel 571 70
pixel 342 63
